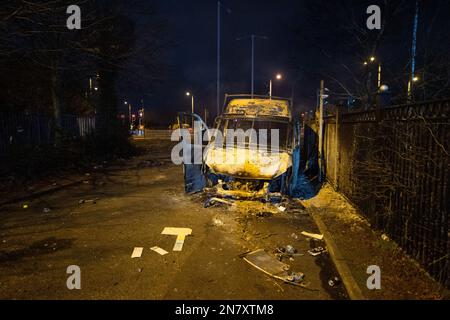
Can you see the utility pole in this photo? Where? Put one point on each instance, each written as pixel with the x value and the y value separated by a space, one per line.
pixel 253 37
pixel 218 58
pixel 219 6
pixel 412 77
pixel 322 92
pixel 253 64
pixel 270 88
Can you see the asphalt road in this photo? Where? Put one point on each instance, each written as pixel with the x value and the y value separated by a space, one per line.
pixel 136 199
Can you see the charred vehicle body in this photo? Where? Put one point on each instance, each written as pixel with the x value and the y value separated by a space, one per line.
pixel 252 152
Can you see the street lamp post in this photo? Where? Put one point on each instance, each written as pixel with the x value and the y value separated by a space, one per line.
pixel 192 100
pixel 253 37
pixel 192 105
pixel 278 77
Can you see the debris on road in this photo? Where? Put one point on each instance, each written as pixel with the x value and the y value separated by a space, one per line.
pixel 159 250
pixel 334 282
pixel 211 201
pixel 137 252
pixel 268 264
pixel 46 210
pixel 264 214
pixel 296 277
pixel 217 222
pixel 312 235
pixel 181 234
pixel 290 249
pixel 25 206
pixel 385 237
pixel 286 252
pixel 294 236
pixel 93 201
pixel 317 251
pixel 280 207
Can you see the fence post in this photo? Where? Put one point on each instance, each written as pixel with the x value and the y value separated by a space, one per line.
pixel 322 86
pixel 336 151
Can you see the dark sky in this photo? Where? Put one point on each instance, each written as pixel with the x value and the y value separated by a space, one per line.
pixel 192 57
pixel 306 41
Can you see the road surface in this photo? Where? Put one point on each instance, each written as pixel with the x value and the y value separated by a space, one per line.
pixel 135 200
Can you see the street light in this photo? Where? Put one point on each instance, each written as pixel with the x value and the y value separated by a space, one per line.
pixel 192 100
pixel 278 77
pixel 253 37
pixel 373 59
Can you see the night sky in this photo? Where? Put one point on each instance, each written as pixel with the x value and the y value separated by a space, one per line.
pixel 305 42
pixel 191 57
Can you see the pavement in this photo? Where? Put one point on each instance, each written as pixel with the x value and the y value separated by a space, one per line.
pixel 135 200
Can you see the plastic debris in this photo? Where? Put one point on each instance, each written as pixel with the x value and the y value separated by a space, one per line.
pixel 46 210
pixel 93 201
pixel 290 249
pixel 316 251
pixel 264 214
pixel 210 202
pixel 296 277
pixel 294 236
pixel 217 222
pixel 159 250
pixel 312 235
pixel 25 206
pixel 384 237
pixel 268 264
pixel 281 208
pixel 137 252
pixel 334 282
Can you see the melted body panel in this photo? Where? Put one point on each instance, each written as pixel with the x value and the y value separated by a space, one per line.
pixel 247 163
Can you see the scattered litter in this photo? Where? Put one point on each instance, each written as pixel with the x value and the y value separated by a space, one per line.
pixel 25 206
pixel 269 235
pixel 93 201
pixel 296 277
pixel 217 222
pixel 159 250
pixel 140 270
pixel 137 252
pixel 86 181
pixel 212 201
pixel 294 236
pixel 288 252
pixel 47 210
pixel 316 251
pixel 313 235
pixel 385 237
pixel 268 264
pixel 290 249
pixel 334 282
pixel 181 234
pixel 281 208
pixel 264 214
pixel 275 197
